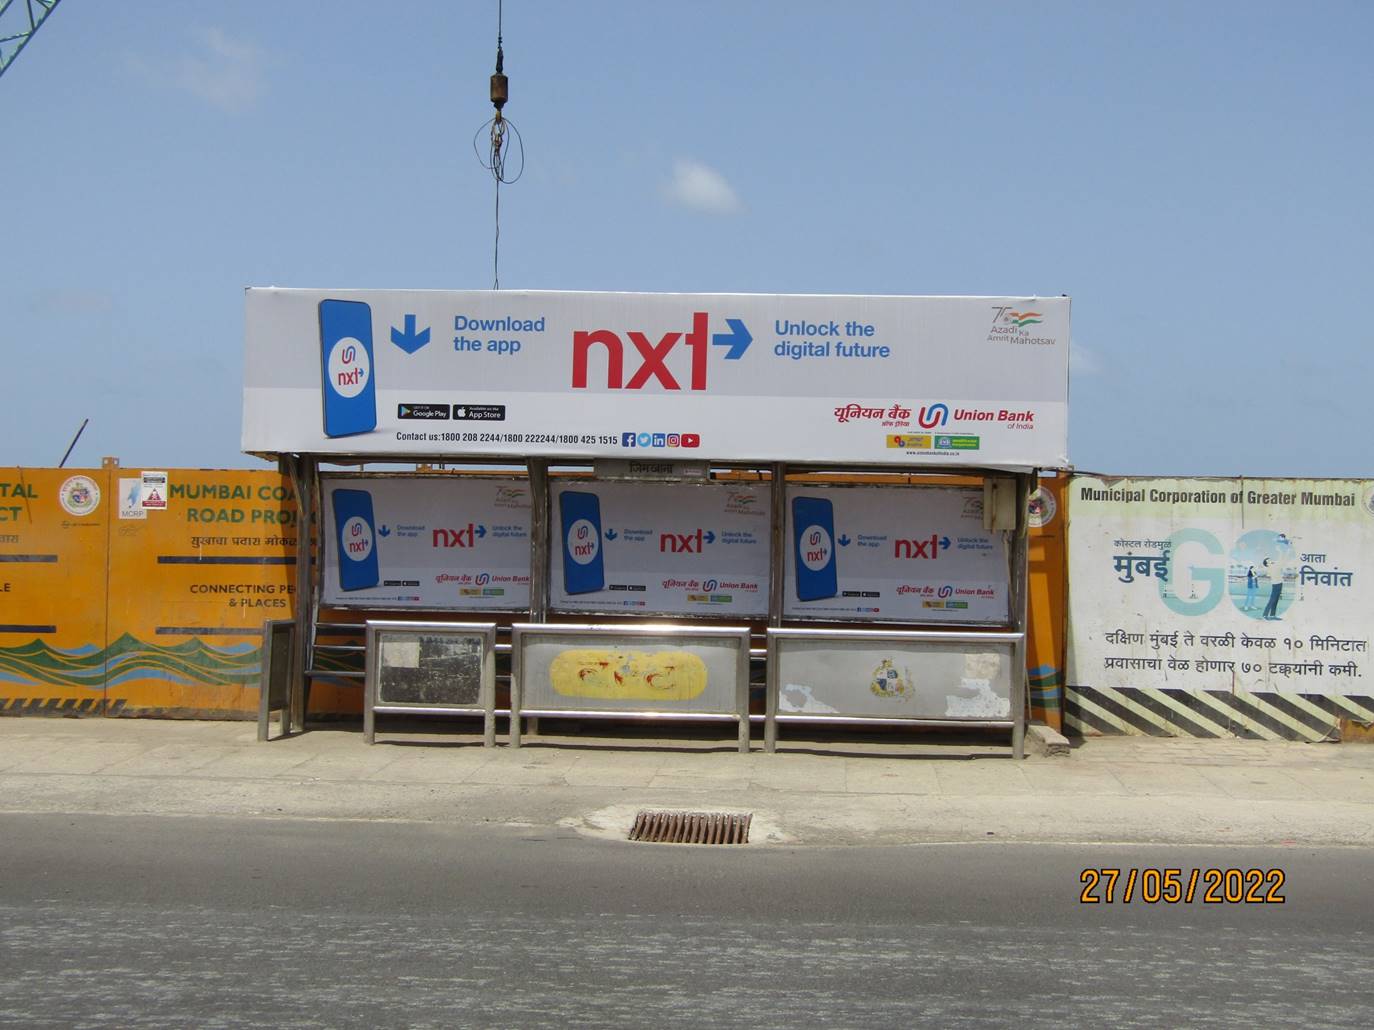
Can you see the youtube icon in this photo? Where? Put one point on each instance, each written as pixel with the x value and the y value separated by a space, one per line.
pixel 691 440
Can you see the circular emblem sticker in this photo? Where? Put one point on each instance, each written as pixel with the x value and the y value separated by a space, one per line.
pixel 888 683
pixel 357 538
pixel 583 542
pixel 1369 502
pixel 349 368
pixel 816 547
pixel 1041 508
pixel 79 495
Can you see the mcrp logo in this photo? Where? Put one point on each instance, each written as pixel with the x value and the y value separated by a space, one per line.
pixel 357 538
pixel 349 368
pixel 583 542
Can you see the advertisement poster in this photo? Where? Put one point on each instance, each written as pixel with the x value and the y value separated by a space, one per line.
pixel 893 679
pixel 432 542
pixel 1222 584
pixel 659 548
pixel 933 381
pixel 894 554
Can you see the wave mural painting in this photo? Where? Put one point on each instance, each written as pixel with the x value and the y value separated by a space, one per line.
pixel 192 662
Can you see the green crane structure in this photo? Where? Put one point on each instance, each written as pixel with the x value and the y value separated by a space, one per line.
pixel 18 25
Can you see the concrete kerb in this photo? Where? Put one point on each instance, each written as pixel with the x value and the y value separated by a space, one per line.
pixel 1046 742
pixel 1115 789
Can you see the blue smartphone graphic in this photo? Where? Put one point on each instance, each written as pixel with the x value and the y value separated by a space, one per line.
pixel 346 368
pixel 813 544
pixel 583 568
pixel 356 531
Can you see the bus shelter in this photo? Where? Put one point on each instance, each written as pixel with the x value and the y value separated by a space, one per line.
pixel 641 504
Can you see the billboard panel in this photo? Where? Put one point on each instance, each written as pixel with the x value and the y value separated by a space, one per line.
pixel 1225 585
pixel 894 554
pixel 893 380
pixel 659 548
pixel 433 542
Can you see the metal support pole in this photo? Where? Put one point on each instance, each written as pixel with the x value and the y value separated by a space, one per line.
pixel 371 671
pixel 770 715
pixel 540 502
pixel 265 684
pixel 515 693
pixel 778 559
pixel 302 470
pixel 539 539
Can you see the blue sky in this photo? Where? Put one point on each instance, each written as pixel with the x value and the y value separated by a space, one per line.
pixel 1196 176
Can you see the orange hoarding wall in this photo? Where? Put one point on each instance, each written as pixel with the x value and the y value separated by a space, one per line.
pixel 1047 601
pixel 190 585
pixel 54 526
pixel 127 592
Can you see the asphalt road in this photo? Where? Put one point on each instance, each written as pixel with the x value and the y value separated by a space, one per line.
pixel 175 921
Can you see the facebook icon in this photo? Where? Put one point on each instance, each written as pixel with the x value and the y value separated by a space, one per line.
pixel 627 439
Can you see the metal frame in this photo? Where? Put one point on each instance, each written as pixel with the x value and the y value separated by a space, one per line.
pixel 486 707
pixel 20 30
pixel 739 635
pixel 1017 722
pixel 271 629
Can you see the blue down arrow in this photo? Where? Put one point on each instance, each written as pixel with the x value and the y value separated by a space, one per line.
pixel 410 341
pixel 737 339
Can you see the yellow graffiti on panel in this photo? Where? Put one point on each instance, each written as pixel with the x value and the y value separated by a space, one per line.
pixel 628 675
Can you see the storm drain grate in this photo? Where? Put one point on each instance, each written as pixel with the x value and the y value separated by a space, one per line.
pixel 692 827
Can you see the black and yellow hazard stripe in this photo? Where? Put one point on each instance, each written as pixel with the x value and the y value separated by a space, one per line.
pixel 61 706
pixel 1210 713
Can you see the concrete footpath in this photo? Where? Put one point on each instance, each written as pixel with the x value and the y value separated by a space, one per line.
pixel 819 792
